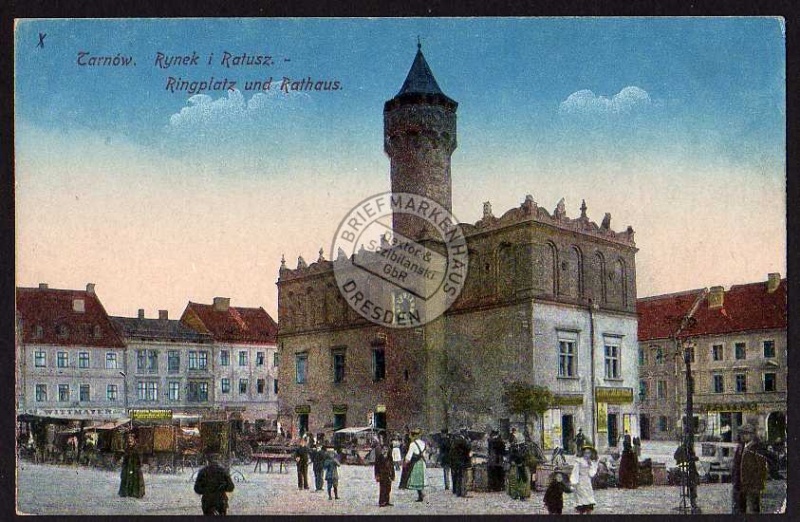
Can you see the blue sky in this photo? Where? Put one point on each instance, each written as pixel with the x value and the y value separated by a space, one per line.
pixel 674 125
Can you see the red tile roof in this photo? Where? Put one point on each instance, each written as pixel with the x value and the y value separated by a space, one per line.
pixel 51 310
pixel 660 315
pixel 235 324
pixel 747 307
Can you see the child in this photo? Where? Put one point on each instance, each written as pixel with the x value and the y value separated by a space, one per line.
pixel 331 467
pixel 397 457
pixel 554 495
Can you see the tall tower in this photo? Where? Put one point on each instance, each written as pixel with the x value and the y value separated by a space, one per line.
pixel 419 137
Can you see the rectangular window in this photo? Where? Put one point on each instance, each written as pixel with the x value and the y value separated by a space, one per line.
pixel 338 366
pixel 141 359
pixel 690 351
pixel 741 383
pixel 612 361
pixel 718 384
pixel 41 393
pixel 339 421
pixel 566 359
pixel 147 360
pixel 198 392
pixel 643 357
pixel 174 391
pixel 301 363
pixel 147 391
pixel 111 393
pixel 224 358
pixel 242 386
pixel 741 350
pixel 275 386
pixel 152 360
pixel 63 392
pixel 84 393
pixel 193 365
pixel 242 358
pixel 83 359
pixel 202 360
pixel 662 423
pixel 225 385
pixel 259 358
pixel 769 382
pixel 769 349
pixel 62 360
pixel 275 360
pixel 111 361
pixel 659 355
pixel 260 385
pixel 40 359
pixel 378 364
pixel 717 352
pixel 643 390
pixel 173 361
pixel 661 389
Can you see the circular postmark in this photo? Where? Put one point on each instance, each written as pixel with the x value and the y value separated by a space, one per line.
pixel 394 280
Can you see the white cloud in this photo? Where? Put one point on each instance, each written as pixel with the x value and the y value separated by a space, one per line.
pixel 627 100
pixel 203 110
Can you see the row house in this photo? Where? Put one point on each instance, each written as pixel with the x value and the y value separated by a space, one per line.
pixel 167 364
pixel 71 358
pixel 738 353
pixel 244 364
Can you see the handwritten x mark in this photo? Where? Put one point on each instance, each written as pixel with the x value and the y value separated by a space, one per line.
pixel 41 40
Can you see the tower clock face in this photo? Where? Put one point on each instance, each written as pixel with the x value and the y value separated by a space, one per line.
pixel 404 303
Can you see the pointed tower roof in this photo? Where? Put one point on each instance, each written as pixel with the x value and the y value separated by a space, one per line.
pixel 420 83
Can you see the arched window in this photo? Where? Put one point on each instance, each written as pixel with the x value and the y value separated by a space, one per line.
pixel 598 278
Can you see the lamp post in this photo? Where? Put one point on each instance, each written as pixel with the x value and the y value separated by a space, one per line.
pixel 686 349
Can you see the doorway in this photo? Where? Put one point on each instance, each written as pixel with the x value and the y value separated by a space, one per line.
pixel 567 434
pixel 380 420
pixel 302 423
pixel 644 426
pixel 613 429
pixel 776 426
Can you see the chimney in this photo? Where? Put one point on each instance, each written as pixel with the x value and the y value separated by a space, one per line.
pixel 221 304
pixel 90 288
pixel 163 315
pixel 773 282
pixel 716 297
pixel 141 313
pixel 42 286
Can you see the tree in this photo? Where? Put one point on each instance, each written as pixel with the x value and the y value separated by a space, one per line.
pixel 525 399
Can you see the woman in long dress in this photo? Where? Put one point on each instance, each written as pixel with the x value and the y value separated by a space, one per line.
pixel 519 478
pixel 131 483
pixel 581 479
pixel 415 461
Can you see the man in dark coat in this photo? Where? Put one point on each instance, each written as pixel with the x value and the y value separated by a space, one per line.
pixel 460 461
pixel 748 473
pixel 444 456
pixel 580 442
pixel 384 473
pixel 494 466
pixel 628 466
pixel 317 460
pixel 213 483
pixel 301 459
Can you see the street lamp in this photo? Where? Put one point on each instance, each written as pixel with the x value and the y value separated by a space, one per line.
pixel 689 482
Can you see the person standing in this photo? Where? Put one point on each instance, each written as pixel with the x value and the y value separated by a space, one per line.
pixel 213 483
pixel 554 495
pixel 444 456
pixel 331 467
pixel 384 473
pixel 494 466
pixel 637 446
pixel 628 466
pixel 748 473
pixel 131 483
pixel 397 456
pixel 580 441
pixel 460 461
pixel 301 459
pixel 519 479
pixel 581 479
pixel 317 455
pixel 415 462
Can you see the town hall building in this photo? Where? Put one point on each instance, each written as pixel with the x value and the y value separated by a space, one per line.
pixel 548 299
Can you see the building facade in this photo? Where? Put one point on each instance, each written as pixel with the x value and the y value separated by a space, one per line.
pixel 242 367
pixel 167 365
pixel 71 358
pixel 548 300
pixel 738 354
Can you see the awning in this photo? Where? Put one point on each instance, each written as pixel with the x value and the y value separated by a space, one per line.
pixel 110 425
pixel 356 430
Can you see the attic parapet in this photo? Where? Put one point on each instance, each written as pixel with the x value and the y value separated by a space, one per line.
pixel 530 210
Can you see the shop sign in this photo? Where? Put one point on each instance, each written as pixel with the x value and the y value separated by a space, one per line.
pixel 602 417
pixel 380 408
pixel 613 395
pixel 136 414
pixel 340 408
pixel 301 409
pixel 567 400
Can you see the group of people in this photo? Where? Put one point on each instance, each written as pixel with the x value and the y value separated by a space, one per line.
pixel 324 464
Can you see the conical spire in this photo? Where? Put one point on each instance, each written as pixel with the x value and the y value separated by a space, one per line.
pixel 420 79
